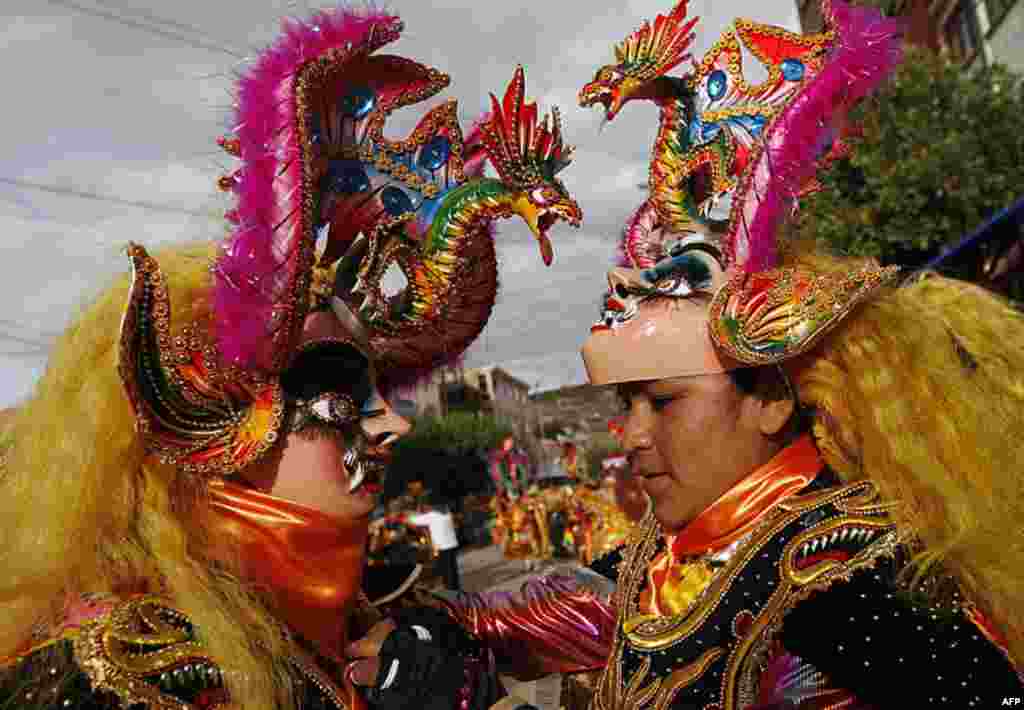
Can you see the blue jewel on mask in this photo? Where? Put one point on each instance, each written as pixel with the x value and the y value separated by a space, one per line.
pixel 793 70
pixel 717 84
pixel 358 102
pixel 435 153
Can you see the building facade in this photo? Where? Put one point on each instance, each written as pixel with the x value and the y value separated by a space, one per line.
pixel 583 410
pixel 490 390
pixel 504 396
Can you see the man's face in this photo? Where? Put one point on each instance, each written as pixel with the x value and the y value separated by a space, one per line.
pixel 689 440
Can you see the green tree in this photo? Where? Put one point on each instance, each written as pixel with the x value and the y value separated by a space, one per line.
pixel 459 432
pixel 936 153
pixel 445 453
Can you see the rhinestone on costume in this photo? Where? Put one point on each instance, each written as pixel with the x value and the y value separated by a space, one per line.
pixel 358 102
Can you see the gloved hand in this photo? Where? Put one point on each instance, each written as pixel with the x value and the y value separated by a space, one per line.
pixel 415 660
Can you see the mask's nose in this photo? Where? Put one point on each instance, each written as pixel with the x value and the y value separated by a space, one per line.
pixel 386 428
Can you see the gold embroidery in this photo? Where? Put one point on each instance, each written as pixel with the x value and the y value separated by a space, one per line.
pixel 683 677
pixel 139 648
pixel 874 538
pixel 868 528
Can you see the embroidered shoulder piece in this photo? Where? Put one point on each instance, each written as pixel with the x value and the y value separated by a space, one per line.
pixel 711 655
pixel 143 652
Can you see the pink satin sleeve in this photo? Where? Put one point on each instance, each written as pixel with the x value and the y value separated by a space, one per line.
pixel 553 624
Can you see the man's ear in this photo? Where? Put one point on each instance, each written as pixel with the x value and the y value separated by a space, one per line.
pixel 777 406
pixel 774 415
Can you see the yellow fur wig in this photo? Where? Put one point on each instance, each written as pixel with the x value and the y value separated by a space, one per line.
pixel 85 511
pixel 922 391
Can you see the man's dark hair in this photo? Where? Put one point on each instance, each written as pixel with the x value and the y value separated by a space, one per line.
pixel 745 379
pixel 769 382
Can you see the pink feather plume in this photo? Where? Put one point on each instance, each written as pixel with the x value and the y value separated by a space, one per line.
pixel 867 51
pixel 259 265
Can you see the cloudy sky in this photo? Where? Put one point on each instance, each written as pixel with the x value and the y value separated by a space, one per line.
pixel 111 109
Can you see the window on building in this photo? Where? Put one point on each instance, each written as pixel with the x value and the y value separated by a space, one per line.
pixel 960 33
pixel 482 384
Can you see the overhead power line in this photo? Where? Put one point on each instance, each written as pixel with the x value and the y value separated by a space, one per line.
pixel 161 27
pixel 37 345
pixel 72 192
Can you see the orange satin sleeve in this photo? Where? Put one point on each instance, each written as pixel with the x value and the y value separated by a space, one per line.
pixel 554 624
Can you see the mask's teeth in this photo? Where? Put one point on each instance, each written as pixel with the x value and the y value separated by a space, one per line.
pixel 357 479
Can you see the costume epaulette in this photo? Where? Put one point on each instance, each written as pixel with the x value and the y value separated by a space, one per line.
pixel 139 653
pixel 707 655
pixel 871 633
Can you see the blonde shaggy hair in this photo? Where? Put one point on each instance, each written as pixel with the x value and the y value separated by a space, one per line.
pixel 921 390
pixel 85 510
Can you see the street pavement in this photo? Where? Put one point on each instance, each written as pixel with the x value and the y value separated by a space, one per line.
pixel 486 569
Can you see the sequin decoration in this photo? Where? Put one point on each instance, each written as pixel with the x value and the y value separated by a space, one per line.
pixel 771 316
pixel 146 653
pixel 191 411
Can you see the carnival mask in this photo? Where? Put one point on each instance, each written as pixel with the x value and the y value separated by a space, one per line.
pixel 702 291
pixel 654 321
pixel 327 205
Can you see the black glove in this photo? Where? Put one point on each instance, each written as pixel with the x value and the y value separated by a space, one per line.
pixel 421 663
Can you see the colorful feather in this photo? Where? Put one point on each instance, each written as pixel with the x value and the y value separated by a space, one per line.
pixel 259 273
pixel 867 50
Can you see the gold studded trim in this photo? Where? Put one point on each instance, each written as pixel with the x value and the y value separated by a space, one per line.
pixel 864 514
pixel 125 652
pixel 765 318
pixel 860 509
pixel 191 411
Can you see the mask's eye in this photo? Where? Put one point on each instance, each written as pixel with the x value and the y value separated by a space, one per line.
pixel 680 274
pixel 329 367
pixel 608 75
pixel 335 408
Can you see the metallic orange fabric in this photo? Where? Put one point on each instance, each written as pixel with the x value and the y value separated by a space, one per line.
pixel 676 580
pixel 554 624
pixel 311 562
